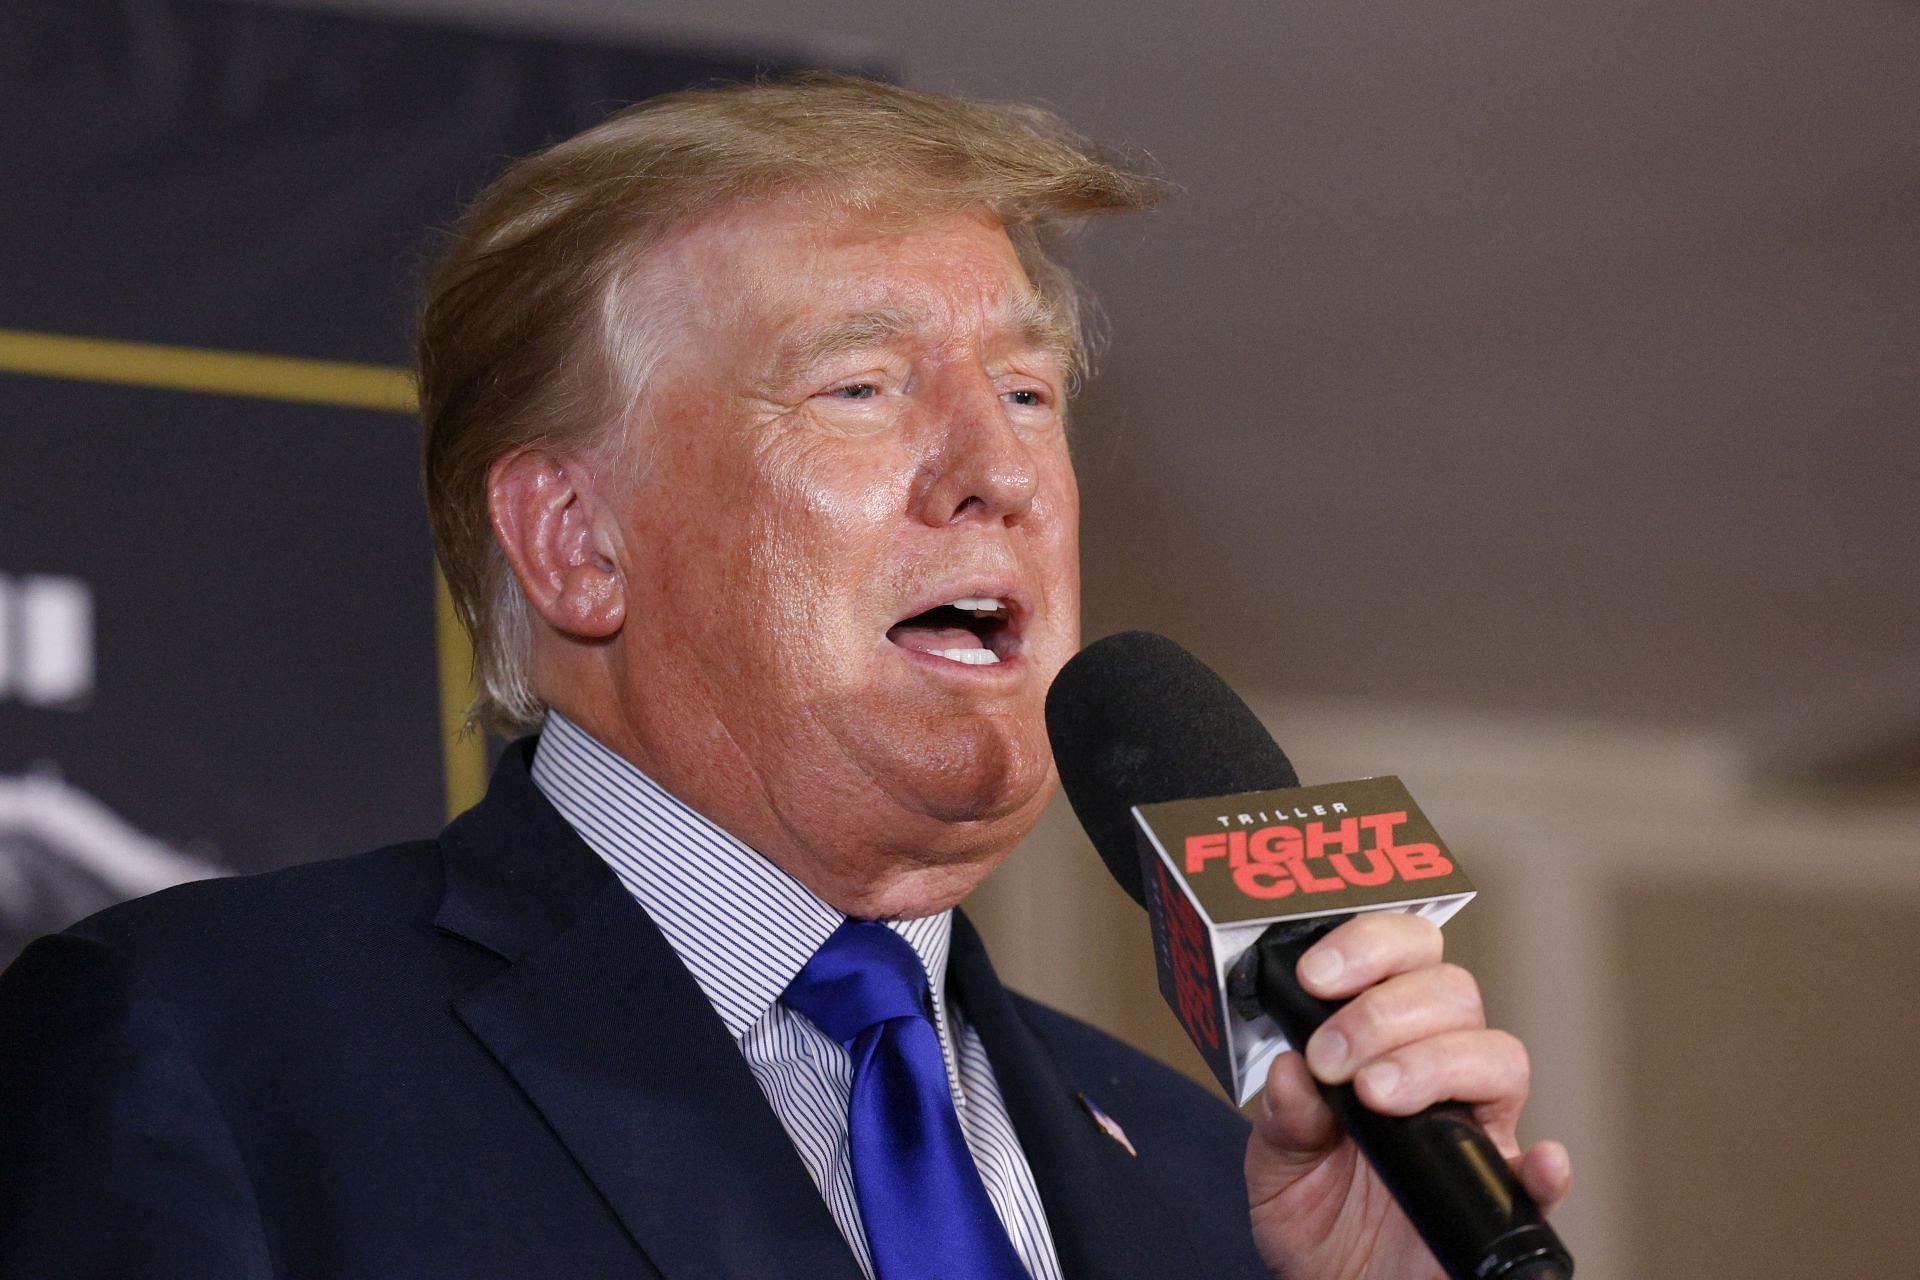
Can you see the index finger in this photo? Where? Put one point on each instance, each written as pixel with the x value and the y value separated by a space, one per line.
pixel 1367 949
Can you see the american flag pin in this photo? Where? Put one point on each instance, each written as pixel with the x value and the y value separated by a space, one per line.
pixel 1108 1125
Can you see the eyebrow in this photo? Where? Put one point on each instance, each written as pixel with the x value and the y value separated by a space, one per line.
pixel 1035 323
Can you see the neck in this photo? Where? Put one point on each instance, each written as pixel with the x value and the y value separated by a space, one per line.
pixel 874 860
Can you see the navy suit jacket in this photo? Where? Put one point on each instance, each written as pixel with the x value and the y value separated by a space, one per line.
pixel 477 1057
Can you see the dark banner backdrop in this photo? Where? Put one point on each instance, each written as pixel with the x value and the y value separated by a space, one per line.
pixel 218 645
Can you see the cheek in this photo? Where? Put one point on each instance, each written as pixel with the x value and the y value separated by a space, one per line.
pixel 827 496
pixel 816 535
pixel 1058 519
pixel 848 488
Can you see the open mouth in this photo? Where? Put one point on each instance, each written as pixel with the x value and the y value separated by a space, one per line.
pixel 975 631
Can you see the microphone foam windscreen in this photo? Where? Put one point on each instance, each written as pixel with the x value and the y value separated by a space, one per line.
pixel 1136 719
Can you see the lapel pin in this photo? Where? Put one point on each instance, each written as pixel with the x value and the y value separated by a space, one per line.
pixel 1108 1125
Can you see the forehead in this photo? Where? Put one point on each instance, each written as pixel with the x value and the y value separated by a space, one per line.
pixel 778 264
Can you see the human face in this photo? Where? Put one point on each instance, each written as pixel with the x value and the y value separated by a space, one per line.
pixel 861 427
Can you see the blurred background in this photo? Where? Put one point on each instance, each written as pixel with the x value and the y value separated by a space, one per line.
pixel 1522 399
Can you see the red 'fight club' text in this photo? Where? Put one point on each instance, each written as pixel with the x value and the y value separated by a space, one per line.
pixel 1314 857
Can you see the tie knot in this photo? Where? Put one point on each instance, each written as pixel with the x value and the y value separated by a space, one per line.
pixel 863 975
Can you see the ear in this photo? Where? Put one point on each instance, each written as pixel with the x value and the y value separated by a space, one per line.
pixel 546 518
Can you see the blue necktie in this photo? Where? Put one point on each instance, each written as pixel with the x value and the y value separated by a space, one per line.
pixel 926 1211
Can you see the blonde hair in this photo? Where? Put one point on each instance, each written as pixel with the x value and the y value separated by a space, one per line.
pixel 536 327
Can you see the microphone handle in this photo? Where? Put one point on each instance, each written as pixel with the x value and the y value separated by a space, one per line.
pixel 1441 1167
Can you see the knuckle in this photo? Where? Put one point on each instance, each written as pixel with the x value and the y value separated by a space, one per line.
pixel 1413 926
pixel 1363 1026
pixel 1389 942
pixel 1379 1021
pixel 1353 936
pixel 1519 1061
pixel 1374 925
pixel 1459 985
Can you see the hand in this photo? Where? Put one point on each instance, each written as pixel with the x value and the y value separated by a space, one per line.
pixel 1413 1034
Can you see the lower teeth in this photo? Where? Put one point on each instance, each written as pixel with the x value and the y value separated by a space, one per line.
pixel 972 657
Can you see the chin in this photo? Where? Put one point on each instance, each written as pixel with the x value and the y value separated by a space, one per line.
pixel 945 820
pixel 976 778
pixel 974 833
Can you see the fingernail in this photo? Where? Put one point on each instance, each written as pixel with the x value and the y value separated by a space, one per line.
pixel 1381 1078
pixel 1327 1052
pixel 1321 966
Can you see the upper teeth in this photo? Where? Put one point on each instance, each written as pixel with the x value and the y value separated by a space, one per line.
pixel 978 604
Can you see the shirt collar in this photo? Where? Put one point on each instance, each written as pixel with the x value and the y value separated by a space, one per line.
pixel 742 926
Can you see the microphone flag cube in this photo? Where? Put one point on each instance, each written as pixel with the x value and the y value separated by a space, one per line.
pixel 1219 870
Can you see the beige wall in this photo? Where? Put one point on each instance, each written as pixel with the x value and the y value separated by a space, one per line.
pixel 1713 980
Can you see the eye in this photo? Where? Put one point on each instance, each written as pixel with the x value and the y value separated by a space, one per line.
pixel 1027 396
pixel 855 391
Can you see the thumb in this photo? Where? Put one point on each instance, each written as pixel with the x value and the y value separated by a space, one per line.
pixel 1293 1129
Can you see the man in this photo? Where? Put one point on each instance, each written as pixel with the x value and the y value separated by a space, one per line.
pixel 746 457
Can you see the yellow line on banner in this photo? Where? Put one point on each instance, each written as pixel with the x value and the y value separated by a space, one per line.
pixel 233 373
pixel 330 382
pixel 466 751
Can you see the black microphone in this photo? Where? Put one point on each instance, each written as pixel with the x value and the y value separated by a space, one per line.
pixel 1137 720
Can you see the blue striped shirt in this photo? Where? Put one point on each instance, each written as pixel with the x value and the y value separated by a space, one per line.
pixel 744 928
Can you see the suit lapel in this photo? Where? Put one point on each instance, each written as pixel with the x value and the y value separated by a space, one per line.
pixel 1107 1217
pixel 611 1039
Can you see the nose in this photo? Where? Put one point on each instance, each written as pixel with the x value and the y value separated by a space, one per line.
pixel 977 465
